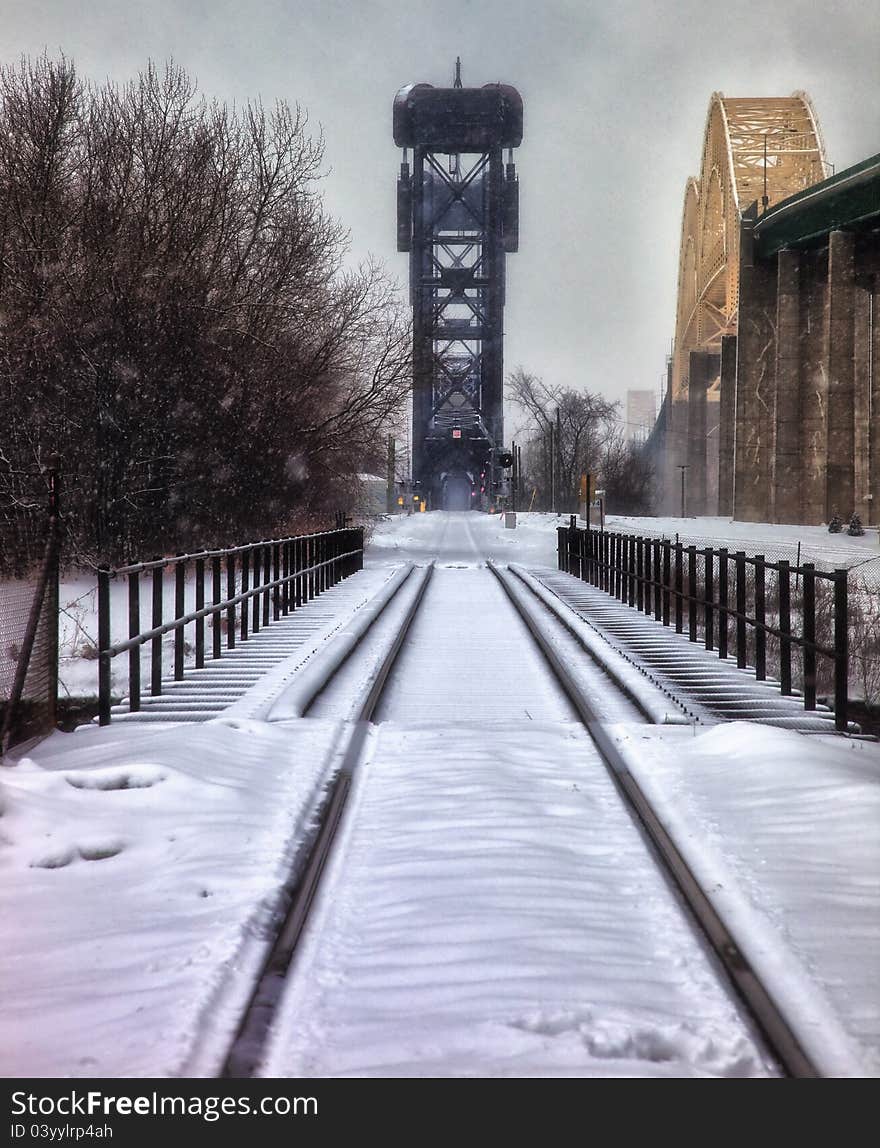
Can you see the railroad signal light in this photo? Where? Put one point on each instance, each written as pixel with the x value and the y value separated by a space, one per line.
pixel 505 459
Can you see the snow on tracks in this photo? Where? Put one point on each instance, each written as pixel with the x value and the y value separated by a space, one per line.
pixel 492 910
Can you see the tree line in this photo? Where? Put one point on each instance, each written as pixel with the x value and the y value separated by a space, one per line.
pixel 572 432
pixel 177 322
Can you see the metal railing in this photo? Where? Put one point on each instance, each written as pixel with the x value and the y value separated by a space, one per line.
pixel 724 599
pixel 247 586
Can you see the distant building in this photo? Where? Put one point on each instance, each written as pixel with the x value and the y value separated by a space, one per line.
pixel 641 414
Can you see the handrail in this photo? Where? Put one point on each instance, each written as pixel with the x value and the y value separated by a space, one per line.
pixel 277 576
pixel 652 575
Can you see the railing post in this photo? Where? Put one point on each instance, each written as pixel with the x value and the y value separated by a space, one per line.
pixel 658 610
pixel 667 556
pixel 607 562
pixel 276 574
pixel 841 650
pixel 640 585
pixel 285 574
pixel 179 611
pixel 256 566
pixel 245 586
pixel 692 593
pixel 561 550
pixel 740 558
pixel 785 627
pixel 156 621
pixel 200 605
pixel 103 645
pixel 809 635
pixel 298 565
pixel 600 559
pixel 760 619
pixel 722 602
pixel 576 558
pixel 708 597
pixel 267 578
pixel 619 568
pixel 679 589
pixel 230 593
pixel 134 654
pixel 592 542
pixel 216 618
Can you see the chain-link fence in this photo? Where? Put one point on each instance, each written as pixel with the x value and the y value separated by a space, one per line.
pixel 29 628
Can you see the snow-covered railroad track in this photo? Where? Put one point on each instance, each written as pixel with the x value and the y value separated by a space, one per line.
pixel 491 905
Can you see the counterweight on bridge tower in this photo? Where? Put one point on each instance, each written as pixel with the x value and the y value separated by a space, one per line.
pixel 458 217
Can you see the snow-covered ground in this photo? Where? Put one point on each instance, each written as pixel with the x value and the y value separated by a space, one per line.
pixel 139 865
pixel 827 551
pixel 139 868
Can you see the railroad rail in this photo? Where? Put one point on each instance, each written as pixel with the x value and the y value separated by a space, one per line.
pixel 397 611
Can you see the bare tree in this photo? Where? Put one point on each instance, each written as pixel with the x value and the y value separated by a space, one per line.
pixel 586 424
pixel 175 320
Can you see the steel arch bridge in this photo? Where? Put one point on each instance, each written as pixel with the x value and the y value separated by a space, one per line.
pixel 755 151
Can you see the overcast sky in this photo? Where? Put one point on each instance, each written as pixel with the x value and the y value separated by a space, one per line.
pixel 615 95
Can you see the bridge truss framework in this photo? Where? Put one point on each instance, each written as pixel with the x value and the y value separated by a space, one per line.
pixel 458 219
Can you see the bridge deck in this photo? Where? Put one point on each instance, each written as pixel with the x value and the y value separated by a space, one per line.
pixel 703 687
pixel 709 688
pixel 204 693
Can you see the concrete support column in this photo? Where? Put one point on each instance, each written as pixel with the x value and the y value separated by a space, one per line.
pixel 814 396
pixel 862 404
pixel 755 382
pixel 839 364
pixel 702 370
pixel 726 424
pixel 874 392
pixel 785 487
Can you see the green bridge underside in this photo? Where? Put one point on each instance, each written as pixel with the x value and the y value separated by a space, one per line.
pixel 848 201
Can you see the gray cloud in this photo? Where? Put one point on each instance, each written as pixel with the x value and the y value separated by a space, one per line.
pixel 615 95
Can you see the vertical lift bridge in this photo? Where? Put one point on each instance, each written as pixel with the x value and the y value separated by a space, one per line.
pixel 458 217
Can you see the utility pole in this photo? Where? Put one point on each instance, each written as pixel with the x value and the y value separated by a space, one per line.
pixel 552 461
pixel 391 491
pixel 683 466
pixel 560 498
pixel 514 478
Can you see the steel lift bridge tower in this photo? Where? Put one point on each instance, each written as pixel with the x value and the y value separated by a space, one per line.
pixel 458 217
